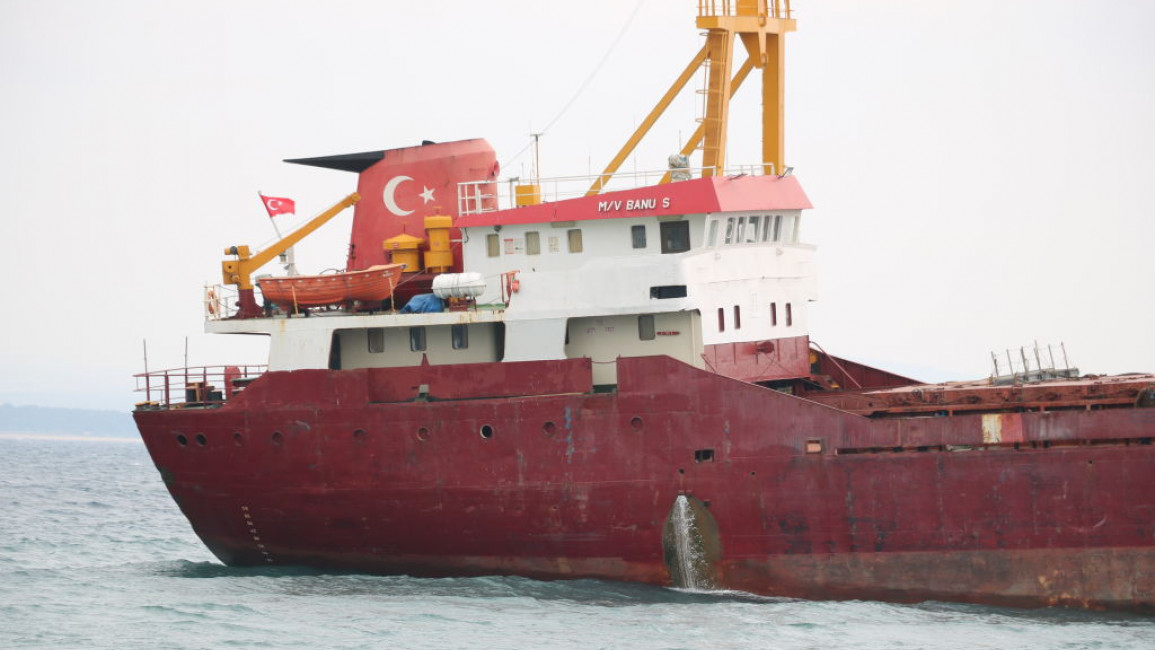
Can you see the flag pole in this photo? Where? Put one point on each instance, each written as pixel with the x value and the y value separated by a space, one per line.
pixel 288 259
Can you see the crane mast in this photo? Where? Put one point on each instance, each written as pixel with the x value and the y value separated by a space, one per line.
pixel 761 26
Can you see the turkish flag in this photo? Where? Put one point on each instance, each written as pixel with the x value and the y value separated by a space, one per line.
pixel 276 205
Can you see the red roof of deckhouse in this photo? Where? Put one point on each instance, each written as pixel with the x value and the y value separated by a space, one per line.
pixel 701 195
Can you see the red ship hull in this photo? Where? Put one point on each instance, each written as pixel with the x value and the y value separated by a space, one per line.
pixel 524 470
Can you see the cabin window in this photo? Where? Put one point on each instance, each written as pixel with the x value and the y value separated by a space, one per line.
pixel 721 319
pixel 460 336
pixel 712 238
pixel 675 236
pixel 532 243
pixel 730 230
pixel 376 339
pixel 789 315
pixel 417 339
pixel 574 240
pixel 773 314
pixel 737 317
pixel 646 327
pixel 638 235
pixel 493 245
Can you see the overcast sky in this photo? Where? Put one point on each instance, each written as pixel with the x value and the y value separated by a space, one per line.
pixel 983 173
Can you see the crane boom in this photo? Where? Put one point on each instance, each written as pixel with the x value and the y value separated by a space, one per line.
pixel 240 271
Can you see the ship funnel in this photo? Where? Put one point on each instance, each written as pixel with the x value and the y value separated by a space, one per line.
pixel 401 187
pixel 690 544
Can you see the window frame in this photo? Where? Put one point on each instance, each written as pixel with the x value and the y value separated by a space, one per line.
pixel 459 336
pixel 377 333
pixel 638 235
pixel 573 240
pixel 646 328
pixel 418 342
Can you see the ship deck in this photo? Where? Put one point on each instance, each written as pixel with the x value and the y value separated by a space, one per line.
pixel 987 395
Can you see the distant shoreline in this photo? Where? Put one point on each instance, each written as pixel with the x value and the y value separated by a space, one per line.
pixel 54 436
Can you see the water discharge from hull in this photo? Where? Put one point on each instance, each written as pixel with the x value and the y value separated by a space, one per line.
pixel 690 542
pixel 688 550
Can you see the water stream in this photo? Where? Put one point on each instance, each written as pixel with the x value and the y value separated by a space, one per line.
pixel 688 546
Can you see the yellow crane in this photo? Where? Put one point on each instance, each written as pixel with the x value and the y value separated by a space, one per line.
pixel 239 270
pixel 762 26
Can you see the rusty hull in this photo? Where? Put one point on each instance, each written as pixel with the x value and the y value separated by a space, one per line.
pixel 407 473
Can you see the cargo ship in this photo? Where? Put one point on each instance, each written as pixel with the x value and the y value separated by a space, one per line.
pixel 612 378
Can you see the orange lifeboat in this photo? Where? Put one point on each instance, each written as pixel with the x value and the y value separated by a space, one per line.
pixel 373 284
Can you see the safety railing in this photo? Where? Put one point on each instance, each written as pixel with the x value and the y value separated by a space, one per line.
pixel 194 386
pixel 220 302
pixel 768 8
pixel 487 196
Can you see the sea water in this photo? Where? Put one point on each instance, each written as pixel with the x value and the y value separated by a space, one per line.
pixel 94 554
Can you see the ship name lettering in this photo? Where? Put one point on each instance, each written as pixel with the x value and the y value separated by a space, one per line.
pixel 632 204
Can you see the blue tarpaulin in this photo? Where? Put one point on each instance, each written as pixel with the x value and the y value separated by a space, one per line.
pixel 425 303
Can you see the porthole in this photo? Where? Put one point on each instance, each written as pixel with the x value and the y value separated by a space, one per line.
pixel 202 440
pixel 486 431
pixel 548 428
pixel 636 423
pixel 359 435
pixel 181 440
pixel 278 438
pixel 423 434
pixel 238 439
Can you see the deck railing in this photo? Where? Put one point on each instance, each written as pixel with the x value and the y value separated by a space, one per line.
pixel 194 386
pixel 220 302
pixel 768 8
pixel 487 196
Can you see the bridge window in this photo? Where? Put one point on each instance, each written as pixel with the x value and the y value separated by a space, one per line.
pixel 730 230
pixel 638 235
pixel 752 230
pixel 532 243
pixel 789 228
pixel 675 236
pixel 376 339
